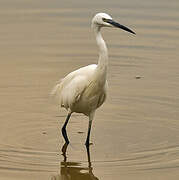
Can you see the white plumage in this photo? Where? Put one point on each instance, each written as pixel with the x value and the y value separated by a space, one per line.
pixel 84 90
pixel 80 91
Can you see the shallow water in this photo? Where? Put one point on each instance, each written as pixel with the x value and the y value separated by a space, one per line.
pixel 135 133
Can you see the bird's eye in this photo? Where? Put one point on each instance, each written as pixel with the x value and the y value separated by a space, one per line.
pixel 104 19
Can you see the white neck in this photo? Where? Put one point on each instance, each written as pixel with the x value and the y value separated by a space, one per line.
pixel 103 53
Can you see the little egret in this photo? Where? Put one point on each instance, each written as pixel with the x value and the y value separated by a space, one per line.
pixel 85 89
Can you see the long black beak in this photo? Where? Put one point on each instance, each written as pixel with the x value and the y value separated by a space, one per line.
pixel 115 24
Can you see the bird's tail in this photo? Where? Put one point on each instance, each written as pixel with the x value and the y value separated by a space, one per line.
pixel 56 89
pixel 55 94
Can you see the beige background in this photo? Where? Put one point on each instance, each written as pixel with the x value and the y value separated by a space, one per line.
pixel 135 133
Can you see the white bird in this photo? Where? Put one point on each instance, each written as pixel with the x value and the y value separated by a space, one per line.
pixel 84 90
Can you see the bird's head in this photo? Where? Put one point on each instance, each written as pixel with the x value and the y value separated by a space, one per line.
pixel 105 20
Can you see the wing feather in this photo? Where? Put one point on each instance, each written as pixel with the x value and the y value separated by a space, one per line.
pixel 68 90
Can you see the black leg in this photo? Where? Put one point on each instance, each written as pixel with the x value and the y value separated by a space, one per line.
pixel 88 135
pixel 88 155
pixel 64 133
pixel 89 128
pixel 64 149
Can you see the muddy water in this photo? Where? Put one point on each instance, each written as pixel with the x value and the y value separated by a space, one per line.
pixel 135 134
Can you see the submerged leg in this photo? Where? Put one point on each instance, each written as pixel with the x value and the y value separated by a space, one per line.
pixel 64 133
pixel 89 129
pixel 64 149
pixel 88 155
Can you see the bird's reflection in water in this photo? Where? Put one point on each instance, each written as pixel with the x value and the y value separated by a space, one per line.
pixel 73 170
